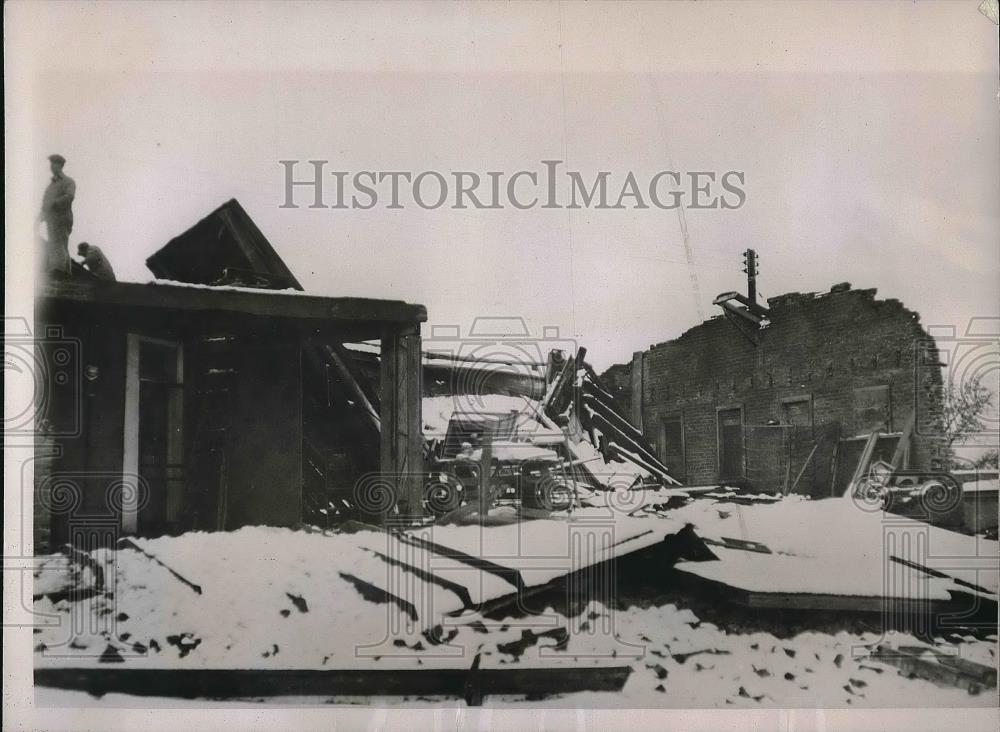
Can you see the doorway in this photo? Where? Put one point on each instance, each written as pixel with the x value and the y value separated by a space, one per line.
pixel 731 447
pixel 671 446
pixel 154 436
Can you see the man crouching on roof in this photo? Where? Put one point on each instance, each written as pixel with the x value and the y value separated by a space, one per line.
pixel 95 261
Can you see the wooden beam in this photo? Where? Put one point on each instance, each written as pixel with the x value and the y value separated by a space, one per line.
pixel 485 473
pixel 495 361
pixel 458 375
pixel 637 387
pixel 863 461
pixel 557 386
pixel 901 454
pixel 130 437
pixel 402 443
pixel 467 683
pixel 333 356
pixel 272 303
pixel 791 488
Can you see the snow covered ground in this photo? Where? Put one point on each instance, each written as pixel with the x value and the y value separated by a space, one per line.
pixel 681 662
pixel 688 663
pixel 275 598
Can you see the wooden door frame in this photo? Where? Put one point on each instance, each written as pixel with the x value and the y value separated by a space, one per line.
pixel 131 481
pixel 718 439
pixel 679 416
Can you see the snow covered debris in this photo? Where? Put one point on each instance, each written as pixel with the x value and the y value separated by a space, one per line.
pixel 270 598
pixel 854 551
pixel 678 660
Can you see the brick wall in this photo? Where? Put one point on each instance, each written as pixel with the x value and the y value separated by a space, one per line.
pixel 829 365
pixel 618 381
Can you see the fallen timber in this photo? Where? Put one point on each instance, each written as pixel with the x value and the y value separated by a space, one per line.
pixel 471 684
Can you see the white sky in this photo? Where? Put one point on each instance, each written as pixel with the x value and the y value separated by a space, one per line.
pixel 868 133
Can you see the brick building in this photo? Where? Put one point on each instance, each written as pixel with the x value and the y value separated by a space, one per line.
pixel 732 401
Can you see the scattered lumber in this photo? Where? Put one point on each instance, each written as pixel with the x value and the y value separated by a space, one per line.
pixel 937 667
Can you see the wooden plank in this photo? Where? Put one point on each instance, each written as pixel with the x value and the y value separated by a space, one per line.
pixel 834 466
pixel 940 668
pixel 862 466
pixel 508 574
pixel 791 488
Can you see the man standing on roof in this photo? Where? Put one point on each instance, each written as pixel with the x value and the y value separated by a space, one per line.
pixel 57 213
pixel 95 261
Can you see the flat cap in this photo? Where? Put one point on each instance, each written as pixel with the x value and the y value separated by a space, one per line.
pixel 57 158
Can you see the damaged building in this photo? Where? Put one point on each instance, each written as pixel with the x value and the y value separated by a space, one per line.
pixel 221 395
pixel 785 396
pixel 247 490
pixel 204 399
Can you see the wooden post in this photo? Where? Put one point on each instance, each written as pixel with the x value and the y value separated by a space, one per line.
pixel 402 440
pixel 637 385
pixel 130 437
pixel 900 457
pixel 863 462
pixel 335 356
pixel 485 473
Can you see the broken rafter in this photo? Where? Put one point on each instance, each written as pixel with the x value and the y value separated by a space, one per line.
pixel 335 358
pixel 630 445
pixel 555 402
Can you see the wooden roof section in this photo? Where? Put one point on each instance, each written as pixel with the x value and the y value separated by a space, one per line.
pixel 243 301
pixel 227 238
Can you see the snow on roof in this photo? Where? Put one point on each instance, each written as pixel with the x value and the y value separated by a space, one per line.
pixel 231 288
pixel 791 575
pixel 835 533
